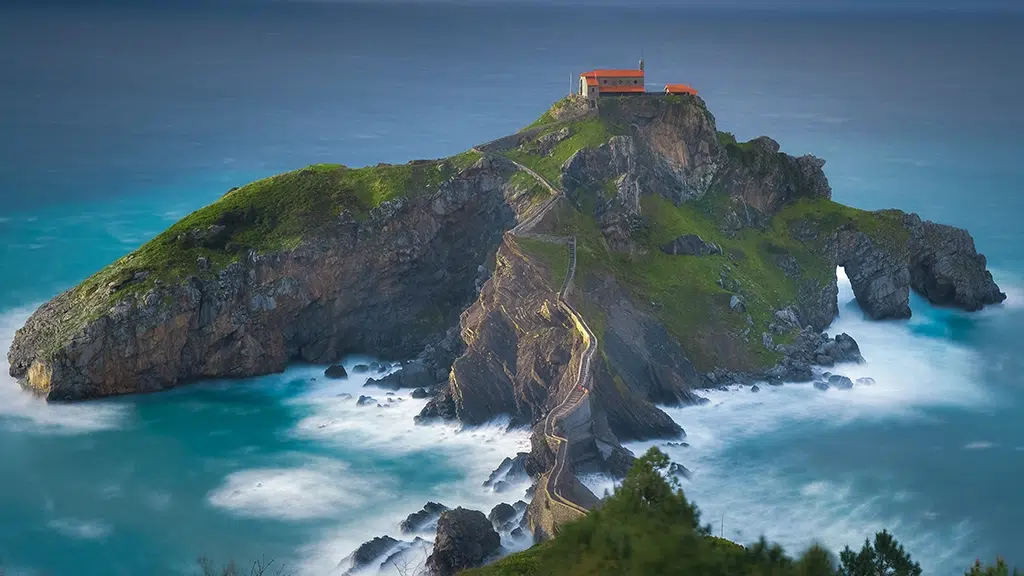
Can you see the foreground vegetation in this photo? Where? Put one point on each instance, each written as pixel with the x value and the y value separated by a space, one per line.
pixel 647 528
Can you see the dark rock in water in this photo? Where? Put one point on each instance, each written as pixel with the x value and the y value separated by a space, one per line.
pixel 406 554
pixel 415 374
pixel 700 401
pixel 518 532
pixel 365 401
pixel 376 366
pixel 826 375
pixel 336 371
pixel 865 381
pixel 501 486
pixel 821 385
pixel 360 369
pixel 520 505
pixel 465 539
pixel 501 514
pixel 345 396
pixel 371 551
pixel 691 245
pixel 419 393
pixel 679 444
pixel 840 382
pixel 946 268
pixel 679 470
pixel 755 388
pixel 423 519
pixel 514 470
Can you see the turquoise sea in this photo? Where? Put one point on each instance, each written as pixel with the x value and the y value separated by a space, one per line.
pixel 118 119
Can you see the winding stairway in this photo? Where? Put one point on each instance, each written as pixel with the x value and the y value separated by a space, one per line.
pixel 552 484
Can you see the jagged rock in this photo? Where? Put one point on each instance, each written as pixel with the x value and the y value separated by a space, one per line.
pixel 546 142
pixel 501 515
pixel 415 374
pixel 501 486
pixel 465 539
pixel 789 266
pixel 370 551
pixel 518 532
pixel 755 388
pixel 946 268
pixel 520 506
pixel 336 371
pixel 366 401
pixel 737 304
pixel 678 444
pixel 821 385
pixel 678 470
pixel 419 393
pixel 513 470
pixel 691 245
pixel 422 519
pixel 865 381
pixel 840 382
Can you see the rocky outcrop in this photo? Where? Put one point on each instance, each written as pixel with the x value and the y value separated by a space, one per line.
pixel 465 539
pixel 879 274
pixel 514 470
pixel 690 245
pixel 946 268
pixel 422 519
pixel 357 285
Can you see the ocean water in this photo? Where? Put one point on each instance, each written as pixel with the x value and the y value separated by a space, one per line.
pixel 118 119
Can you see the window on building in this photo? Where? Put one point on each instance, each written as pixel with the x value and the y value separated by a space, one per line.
pixel 604 81
pixel 634 81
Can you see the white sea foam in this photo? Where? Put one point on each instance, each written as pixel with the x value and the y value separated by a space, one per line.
pixel 21 411
pixel 81 529
pixel 978 445
pixel 320 488
pixel 912 372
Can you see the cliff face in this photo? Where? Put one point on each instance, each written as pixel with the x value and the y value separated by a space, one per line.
pixel 326 261
pixel 387 282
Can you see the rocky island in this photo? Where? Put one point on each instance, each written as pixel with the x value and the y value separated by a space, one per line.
pixel 695 261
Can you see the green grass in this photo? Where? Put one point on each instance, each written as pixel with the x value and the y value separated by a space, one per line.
pixel 586 133
pixel 267 215
pixel 535 191
pixel 553 255
pixel 611 188
pixel 550 114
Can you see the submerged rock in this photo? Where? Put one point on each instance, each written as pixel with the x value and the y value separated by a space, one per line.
pixel 370 551
pixel 366 401
pixel 755 388
pixel 465 539
pixel 513 470
pixel 336 371
pixel 502 514
pixel 840 382
pixel 821 385
pixel 423 519
pixel 360 369
pixel 865 381
pixel 677 469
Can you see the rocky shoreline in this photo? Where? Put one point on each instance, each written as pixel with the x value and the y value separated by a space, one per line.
pixel 702 262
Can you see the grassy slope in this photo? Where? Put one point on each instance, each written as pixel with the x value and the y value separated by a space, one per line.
pixel 682 291
pixel 271 214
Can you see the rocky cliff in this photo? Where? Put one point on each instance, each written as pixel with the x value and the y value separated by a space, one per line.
pixel 395 260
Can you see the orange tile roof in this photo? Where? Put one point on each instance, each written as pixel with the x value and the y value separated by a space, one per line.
pixel 591 81
pixel 624 88
pixel 680 89
pixel 614 73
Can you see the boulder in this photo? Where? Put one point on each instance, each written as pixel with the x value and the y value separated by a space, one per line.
pixel 336 371
pixel 736 304
pixel 360 369
pixel 423 519
pixel 501 515
pixel 755 388
pixel 370 551
pixel 419 393
pixel 415 374
pixel 366 401
pixel 840 382
pixel 691 245
pixel 821 385
pixel 465 539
